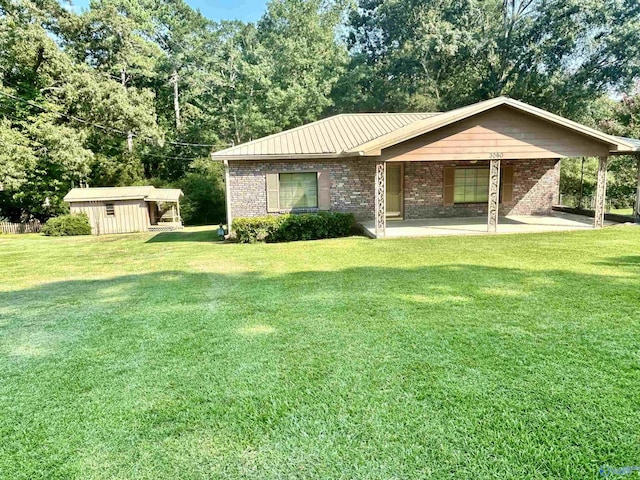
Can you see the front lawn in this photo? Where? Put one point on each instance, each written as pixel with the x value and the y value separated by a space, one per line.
pixel 510 357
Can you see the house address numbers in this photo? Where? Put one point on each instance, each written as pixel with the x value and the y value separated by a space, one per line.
pixel 495 155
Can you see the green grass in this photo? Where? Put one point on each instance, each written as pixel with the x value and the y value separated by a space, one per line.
pixel 622 211
pixel 509 357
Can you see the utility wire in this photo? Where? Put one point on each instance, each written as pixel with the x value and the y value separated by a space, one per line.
pixel 60 114
pixel 102 127
pixel 159 155
pixel 145 154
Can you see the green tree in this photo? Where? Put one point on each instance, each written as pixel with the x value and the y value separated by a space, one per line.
pixel 303 60
pixel 45 155
pixel 204 201
pixel 185 42
pixel 117 90
pixel 558 54
pixel 616 117
pixel 17 158
pixel 624 120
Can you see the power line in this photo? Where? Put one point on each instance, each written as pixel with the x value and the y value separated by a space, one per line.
pixel 145 154
pixel 159 155
pixel 103 127
pixel 183 144
pixel 60 114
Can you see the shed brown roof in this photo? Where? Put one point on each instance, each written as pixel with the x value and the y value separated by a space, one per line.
pixel 144 192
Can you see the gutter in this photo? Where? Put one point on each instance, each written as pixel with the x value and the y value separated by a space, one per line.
pixel 293 156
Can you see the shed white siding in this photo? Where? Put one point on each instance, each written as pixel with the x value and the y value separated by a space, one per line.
pixel 129 216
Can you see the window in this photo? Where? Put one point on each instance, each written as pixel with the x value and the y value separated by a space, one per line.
pixel 111 212
pixel 471 185
pixel 298 190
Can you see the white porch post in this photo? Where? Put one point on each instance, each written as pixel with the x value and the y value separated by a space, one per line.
pixel 178 208
pixel 380 204
pixel 494 193
pixel 601 193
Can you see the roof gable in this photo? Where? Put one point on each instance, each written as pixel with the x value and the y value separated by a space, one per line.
pixel 500 132
pixel 430 124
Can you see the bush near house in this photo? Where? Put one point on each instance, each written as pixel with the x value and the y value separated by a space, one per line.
pixel 255 229
pixel 67 225
pixel 293 227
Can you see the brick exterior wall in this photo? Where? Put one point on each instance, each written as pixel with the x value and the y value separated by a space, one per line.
pixel 535 189
pixel 351 184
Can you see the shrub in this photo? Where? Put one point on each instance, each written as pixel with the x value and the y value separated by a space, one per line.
pixel 255 229
pixel 203 202
pixel 291 228
pixel 67 225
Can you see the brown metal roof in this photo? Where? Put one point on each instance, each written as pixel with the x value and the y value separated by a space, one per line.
pixel 369 133
pixel 329 137
pixel 145 192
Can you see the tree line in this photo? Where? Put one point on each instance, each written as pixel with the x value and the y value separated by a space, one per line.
pixel 141 91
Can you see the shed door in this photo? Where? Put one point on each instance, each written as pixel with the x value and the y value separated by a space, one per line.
pixel 394 190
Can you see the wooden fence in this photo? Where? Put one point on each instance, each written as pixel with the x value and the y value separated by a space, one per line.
pixel 33 226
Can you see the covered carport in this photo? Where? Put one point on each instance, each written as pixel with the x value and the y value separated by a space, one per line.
pixel 493 133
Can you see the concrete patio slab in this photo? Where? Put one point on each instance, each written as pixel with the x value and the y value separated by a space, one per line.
pixel 556 221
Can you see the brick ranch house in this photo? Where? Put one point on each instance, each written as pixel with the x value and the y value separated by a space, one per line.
pixel 500 156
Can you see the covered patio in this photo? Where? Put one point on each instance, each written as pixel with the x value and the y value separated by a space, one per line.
pixel 495 168
pixel 555 222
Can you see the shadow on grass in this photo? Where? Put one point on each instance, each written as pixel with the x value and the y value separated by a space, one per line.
pixel 311 359
pixel 478 307
pixel 437 291
pixel 628 261
pixel 197 236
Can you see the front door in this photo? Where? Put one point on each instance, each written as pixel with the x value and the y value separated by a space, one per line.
pixel 394 190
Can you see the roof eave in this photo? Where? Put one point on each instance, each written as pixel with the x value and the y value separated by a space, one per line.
pixel 175 198
pixel 293 156
pixel 104 199
pixel 633 151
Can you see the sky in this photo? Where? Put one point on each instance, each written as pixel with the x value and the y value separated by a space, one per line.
pixel 245 10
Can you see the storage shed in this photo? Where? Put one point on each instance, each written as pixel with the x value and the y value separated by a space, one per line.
pixel 127 209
